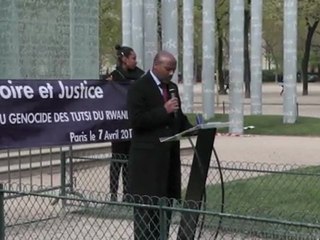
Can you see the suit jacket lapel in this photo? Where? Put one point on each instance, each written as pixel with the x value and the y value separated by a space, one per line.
pixel 154 87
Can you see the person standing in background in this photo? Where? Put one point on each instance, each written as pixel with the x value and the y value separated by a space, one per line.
pixel 154 168
pixel 126 71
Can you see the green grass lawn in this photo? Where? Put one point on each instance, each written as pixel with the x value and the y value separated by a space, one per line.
pixel 281 196
pixel 293 195
pixel 273 125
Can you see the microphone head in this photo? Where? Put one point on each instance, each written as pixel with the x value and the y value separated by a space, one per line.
pixel 172 92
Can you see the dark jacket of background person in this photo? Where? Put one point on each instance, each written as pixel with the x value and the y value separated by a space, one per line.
pixel 121 75
pixel 120 149
pixel 154 167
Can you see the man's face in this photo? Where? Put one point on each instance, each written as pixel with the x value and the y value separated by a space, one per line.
pixel 165 70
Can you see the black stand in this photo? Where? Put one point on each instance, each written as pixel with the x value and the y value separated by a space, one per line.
pixel 198 175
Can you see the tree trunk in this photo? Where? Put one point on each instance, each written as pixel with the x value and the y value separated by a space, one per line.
pixel 247 79
pixel 306 56
pixel 220 77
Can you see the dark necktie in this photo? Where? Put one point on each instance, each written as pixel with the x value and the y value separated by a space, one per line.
pixel 165 92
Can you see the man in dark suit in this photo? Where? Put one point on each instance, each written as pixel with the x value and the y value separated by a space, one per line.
pixel 154 167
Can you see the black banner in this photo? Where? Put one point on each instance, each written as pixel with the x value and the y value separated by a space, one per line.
pixel 37 113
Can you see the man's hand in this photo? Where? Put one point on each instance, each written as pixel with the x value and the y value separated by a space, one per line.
pixel 172 105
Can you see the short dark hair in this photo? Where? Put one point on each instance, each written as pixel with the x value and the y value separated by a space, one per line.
pixel 122 51
pixel 160 56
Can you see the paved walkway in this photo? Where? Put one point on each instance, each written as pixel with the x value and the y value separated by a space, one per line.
pixel 270 149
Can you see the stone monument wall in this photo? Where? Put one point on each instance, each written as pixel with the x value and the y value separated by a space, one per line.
pixel 49 39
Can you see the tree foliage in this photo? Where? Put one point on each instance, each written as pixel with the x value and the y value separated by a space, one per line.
pixel 110 29
pixel 308 19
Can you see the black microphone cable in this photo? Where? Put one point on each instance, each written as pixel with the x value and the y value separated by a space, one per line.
pixel 222 192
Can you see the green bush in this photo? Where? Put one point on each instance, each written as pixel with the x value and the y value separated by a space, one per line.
pixel 268 76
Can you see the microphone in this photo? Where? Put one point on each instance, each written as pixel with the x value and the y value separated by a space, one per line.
pixel 172 93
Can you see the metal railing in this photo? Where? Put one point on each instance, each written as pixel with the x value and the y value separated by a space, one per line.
pixel 251 201
pixel 23 169
pixel 33 216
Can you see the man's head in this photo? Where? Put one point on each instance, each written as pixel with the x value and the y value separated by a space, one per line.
pixel 164 66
